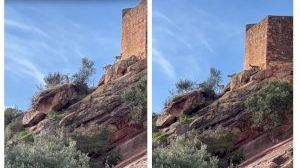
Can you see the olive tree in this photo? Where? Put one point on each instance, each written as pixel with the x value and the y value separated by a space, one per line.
pixel 272 105
pixel 46 151
pixel 182 153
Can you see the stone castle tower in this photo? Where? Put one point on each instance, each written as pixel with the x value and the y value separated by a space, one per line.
pixel 134 31
pixel 269 42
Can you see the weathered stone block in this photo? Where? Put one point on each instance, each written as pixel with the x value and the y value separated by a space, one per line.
pixel 134 31
pixel 269 41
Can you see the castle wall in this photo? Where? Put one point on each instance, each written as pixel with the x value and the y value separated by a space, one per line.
pixel 256 40
pixel 269 42
pixel 134 31
pixel 280 40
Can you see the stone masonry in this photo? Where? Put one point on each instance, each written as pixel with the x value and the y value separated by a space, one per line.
pixel 134 31
pixel 269 42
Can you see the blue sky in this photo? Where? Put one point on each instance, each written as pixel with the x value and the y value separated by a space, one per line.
pixel 190 36
pixel 43 37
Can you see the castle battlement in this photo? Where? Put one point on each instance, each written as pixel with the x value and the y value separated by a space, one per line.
pixel 269 42
pixel 134 31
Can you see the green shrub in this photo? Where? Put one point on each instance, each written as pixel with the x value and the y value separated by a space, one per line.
pixel 113 159
pixel 184 86
pixel 53 79
pixel 56 116
pixel 272 105
pixel 13 127
pixel 183 153
pixel 154 119
pixel 87 69
pixel 213 81
pixel 47 151
pixel 96 142
pixel 160 137
pixel 237 158
pixel 25 136
pixel 186 119
pixel 219 141
pixel 96 163
pixel 136 99
pixel 10 114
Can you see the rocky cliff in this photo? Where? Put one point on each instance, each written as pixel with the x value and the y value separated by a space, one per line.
pixel 229 111
pixel 199 112
pixel 104 107
pixel 85 116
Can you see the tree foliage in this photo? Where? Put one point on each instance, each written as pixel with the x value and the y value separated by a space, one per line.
pixel 11 114
pixel 53 79
pixel 237 158
pixel 154 119
pixel 136 99
pixel 87 69
pixel 113 159
pixel 95 142
pixel 184 86
pixel 182 153
pixel 81 78
pixel 213 81
pixel 160 138
pixel 272 105
pixel 46 151
pixel 219 141
pixel 13 123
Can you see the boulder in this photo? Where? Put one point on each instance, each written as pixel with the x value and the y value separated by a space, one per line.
pixel 182 129
pixel 188 103
pixel 33 117
pixel 117 70
pixel 165 120
pixel 53 99
pixel 44 125
pixel 242 78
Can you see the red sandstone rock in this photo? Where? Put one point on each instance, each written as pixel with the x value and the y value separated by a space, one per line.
pixel 165 120
pixel 50 100
pixel 242 78
pixel 277 155
pixel 117 70
pixel 104 107
pixel 186 103
pixel 268 57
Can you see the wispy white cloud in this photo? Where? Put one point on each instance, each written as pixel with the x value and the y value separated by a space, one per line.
pixel 25 67
pixel 160 16
pixel 167 67
pixel 24 27
pixel 184 30
pixel 32 48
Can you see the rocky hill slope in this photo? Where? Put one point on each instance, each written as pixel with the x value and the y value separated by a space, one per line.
pixel 102 108
pixel 107 122
pixel 250 121
pixel 228 110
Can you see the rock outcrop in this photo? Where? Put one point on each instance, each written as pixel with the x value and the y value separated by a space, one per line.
pixel 279 155
pixel 268 56
pixel 53 99
pixel 104 107
pixel 188 103
pixel 117 70
pixel 229 110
